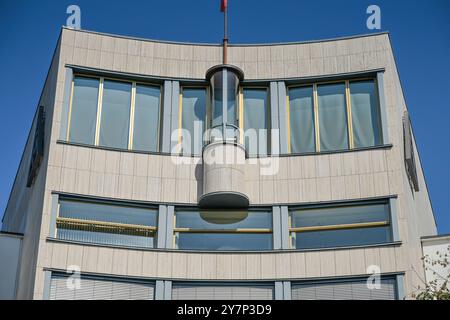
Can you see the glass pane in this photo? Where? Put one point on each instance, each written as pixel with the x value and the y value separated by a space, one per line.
pixel 105 238
pixel 83 116
pixel 255 121
pixel 106 213
pixel 115 119
pixel 232 91
pixel 365 114
pixel 216 220
pixel 332 117
pixel 343 237
pixel 218 99
pixel 223 219
pixel 193 119
pixel 340 215
pixel 344 289
pixel 146 118
pixel 224 241
pixel 302 120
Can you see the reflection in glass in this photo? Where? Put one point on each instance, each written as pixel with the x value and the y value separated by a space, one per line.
pixel 128 215
pixel 146 118
pixel 332 117
pixel 256 121
pixel 194 113
pixel 227 222
pixel 83 116
pixel 302 120
pixel 115 118
pixel 345 215
pixel 365 114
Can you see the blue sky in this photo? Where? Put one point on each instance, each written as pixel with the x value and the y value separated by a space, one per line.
pixel 420 32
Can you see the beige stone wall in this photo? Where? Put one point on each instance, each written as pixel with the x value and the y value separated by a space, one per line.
pixel 341 176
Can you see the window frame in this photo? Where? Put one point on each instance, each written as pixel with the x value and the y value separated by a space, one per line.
pixel 346 226
pixel 348 105
pixel 241 115
pixel 134 84
pixel 346 279
pixel 220 231
pixel 147 231
pixel 207 120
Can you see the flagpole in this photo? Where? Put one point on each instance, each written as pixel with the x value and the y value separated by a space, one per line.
pixel 225 35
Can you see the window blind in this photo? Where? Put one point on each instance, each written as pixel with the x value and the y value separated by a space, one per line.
pixel 189 291
pixel 344 290
pixel 97 288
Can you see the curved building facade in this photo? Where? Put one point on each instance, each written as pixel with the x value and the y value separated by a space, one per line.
pixel 289 173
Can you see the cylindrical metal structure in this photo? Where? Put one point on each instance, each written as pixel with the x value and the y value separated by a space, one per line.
pixel 224 156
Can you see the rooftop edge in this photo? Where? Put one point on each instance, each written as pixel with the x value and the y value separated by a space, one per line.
pixel 230 44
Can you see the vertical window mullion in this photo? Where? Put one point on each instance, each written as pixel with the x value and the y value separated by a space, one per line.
pixel 316 116
pixel 99 111
pixel 131 129
pixel 180 120
pixel 288 116
pixel 70 108
pixel 268 123
pixel 174 245
pixel 241 115
pixel 349 114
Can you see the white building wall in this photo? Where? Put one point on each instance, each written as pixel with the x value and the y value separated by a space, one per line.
pixel 10 246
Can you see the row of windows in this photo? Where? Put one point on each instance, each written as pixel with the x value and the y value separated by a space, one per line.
pixel 101 288
pixel 320 117
pixel 309 228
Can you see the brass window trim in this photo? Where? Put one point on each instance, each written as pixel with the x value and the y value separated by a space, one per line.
pixel 349 115
pixel 316 116
pixel 132 111
pixel 70 108
pixel 231 231
pixel 103 226
pixel 99 112
pixel 341 226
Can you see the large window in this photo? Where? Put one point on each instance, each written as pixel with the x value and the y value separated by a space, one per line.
pixel 146 118
pixel 223 230
pixel 105 223
pixel 344 289
pixel 193 115
pixel 83 115
pixel 115 114
pixel 100 288
pixel 334 116
pixel 256 120
pixel 302 137
pixel 365 114
pixel 344 225
pixel 222 291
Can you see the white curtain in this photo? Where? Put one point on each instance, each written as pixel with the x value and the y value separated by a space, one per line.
pixel 255 120
pixel 365 114
pixel 84 110
pixel 332 117
pixel 146 118
pixel 115 119
pixel 194 112
pixel 302 120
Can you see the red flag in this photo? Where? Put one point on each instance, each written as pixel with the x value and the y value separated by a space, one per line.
pixel 223 5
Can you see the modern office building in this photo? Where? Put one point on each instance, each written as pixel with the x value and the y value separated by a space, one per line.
pixel 304 182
